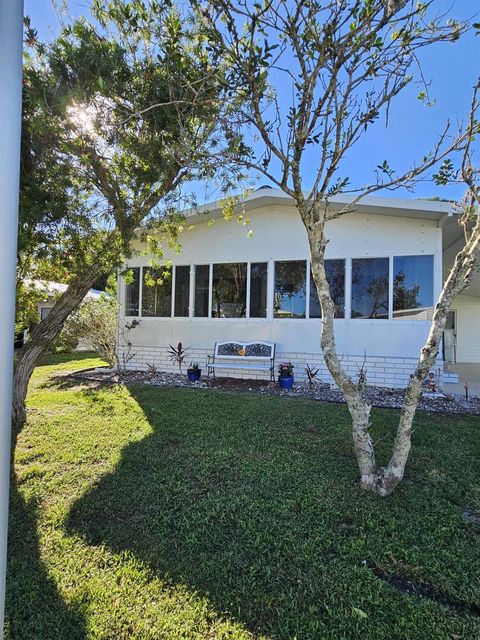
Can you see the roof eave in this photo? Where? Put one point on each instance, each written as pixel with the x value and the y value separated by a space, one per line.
pixel 400 207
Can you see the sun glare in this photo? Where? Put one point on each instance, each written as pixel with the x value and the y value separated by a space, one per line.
pixel 82 117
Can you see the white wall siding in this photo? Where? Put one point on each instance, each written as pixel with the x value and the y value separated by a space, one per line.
pixel 468 328
pixel 278 234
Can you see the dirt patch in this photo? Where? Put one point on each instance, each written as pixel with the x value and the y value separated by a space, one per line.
pixel 415 589
pixel 471 516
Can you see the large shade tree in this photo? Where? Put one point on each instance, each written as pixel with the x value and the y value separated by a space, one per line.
pixel 338 65
pixel 119 112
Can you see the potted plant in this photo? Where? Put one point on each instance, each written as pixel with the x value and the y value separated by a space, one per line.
pixel 194 372
pixel 285 378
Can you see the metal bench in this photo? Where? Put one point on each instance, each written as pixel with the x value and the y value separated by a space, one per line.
pixel 253 356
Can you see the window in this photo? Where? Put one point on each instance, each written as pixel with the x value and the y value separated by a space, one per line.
pixel 44 312
pixel 229 298
pixel 290 289
pixel 182 292
pixel 370 288
pixel 202 277
pixel 413 287
pixel 335 270
pixel 156 293
pixel 132 291
pixel 258 289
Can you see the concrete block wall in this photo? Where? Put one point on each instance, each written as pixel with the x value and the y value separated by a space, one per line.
pixel 381 371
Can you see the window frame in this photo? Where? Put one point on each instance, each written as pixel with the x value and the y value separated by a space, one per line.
pixel 142 284
pixel 125 285
pixel 306 288
pixel 208 316
pixel 249 289
pixel 346 287
pixel 247 299
pixel 174 291
pixel 43 308
pixel 389 258
pixel 433 256
pixel 270 315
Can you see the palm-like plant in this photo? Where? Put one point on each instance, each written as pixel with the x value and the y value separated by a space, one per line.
pixel 312 373
pixel 177 354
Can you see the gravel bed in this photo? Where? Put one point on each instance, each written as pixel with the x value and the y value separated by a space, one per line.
pixel 378 396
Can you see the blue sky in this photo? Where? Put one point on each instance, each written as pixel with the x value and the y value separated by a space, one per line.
pixel 452 70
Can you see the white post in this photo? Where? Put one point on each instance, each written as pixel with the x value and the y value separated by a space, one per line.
pixel 11 38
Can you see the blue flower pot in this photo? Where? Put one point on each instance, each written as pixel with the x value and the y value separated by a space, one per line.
pixel 285 382
pixel 194 374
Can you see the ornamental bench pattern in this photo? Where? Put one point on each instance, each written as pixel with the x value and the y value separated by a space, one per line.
pixel 254 356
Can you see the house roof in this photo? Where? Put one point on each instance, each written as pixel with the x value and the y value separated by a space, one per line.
pixel 443 213
pixel 52 289
pixel 267 197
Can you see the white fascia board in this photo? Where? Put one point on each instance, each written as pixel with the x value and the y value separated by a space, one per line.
pixel 402 207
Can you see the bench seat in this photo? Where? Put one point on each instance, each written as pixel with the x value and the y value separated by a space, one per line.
pixel 233 354
pixel 219 365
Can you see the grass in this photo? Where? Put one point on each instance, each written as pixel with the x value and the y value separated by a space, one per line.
pixel 153 513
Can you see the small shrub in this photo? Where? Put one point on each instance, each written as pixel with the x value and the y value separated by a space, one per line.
pixel 285 369
pixel 95 322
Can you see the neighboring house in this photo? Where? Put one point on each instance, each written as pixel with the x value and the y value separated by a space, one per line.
pixel 386 263
pixel 51 291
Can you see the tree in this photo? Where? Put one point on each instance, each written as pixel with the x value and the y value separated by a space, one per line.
pixel 344 63
pixel 127 110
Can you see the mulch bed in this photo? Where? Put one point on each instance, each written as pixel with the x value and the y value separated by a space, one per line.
pixel 378 396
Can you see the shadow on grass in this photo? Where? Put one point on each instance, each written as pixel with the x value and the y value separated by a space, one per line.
pixel 34 608
pixel 266 521
pixel 62 358
pixel 68 381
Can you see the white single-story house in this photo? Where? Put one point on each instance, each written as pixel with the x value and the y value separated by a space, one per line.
pixel 386 264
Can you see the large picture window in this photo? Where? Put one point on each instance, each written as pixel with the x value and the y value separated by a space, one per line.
pixel 290 289
pixel 335 270
pixel 229 290
pixel 370 288
pixel 156 293
pixel 182 291
pixel 413 287
pixel 258 289
pixel 225 289
pixel 132 291
pixel 202 277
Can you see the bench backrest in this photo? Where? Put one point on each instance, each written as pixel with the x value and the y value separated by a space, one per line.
pixel 235 349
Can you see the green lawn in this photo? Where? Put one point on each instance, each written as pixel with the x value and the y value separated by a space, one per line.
pixel 171 513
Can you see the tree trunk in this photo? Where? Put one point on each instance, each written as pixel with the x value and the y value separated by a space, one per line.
pixel 383 480
pixel 357 403
pixel 466 263
pixel 40 339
